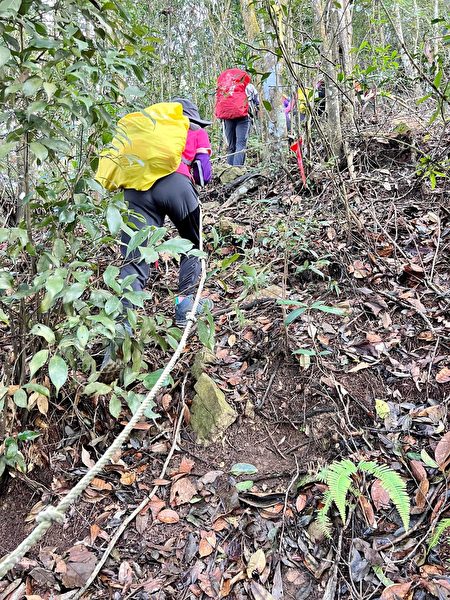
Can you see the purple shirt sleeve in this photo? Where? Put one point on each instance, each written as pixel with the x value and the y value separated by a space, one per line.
pixel 205 163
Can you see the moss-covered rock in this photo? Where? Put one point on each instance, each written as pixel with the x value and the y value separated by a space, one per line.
pixel 203 358
pixel 211 414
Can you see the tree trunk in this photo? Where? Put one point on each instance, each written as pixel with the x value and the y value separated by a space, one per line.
pixel 345 32
pixel 436 29
pixel 397 22
pixel 326 22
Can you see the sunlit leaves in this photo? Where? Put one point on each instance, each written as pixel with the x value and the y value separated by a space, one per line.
pixel 58 371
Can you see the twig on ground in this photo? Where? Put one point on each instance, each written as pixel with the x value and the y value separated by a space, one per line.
pixel 330 590
pixel 260 403
pixel 275 445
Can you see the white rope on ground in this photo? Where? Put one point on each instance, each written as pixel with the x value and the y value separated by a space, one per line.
pixel 53 514
pixel 119 531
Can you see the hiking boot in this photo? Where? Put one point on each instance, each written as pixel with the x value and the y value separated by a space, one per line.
pixel 183 308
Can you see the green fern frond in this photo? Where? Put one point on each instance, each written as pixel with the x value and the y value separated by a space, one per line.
pixel 339 482
pixel 305 480
pixel 437 533
pixel 394 486
pixel 323 520
pixel 322 475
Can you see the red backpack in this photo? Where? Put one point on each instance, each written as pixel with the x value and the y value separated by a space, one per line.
pixel 231 99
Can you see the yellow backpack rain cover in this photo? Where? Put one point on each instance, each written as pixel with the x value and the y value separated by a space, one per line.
pixel 147 146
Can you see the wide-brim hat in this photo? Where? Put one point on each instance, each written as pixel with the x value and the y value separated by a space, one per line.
pixel 190 111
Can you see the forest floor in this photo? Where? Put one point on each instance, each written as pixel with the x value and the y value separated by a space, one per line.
pixel 371 381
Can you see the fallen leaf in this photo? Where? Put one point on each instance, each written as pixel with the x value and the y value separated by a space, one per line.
pixel 368 511
pixel 300 503
pixel 382 408
pixel 398 591
pixel 186 466
pixel 155 505
pixel 86 458
pixel 141 523
pixel 94 530
pixel 168 516
pixel 277 586
pixel 79 567
pixel 128 478
pixel 125 575
pixel 204 548
pixel 379 495
pixel 220 524
pixel 442 451
pixel 257 562
pixel 359 269
pixel 159 448
pixel 182 491
pixel 226 588
pixel 421 495
pixel 443 376
pixel 260 593
pixel 418 470
pixel 99 484
pixel 42 404
pixel 232 340
pixel 166 401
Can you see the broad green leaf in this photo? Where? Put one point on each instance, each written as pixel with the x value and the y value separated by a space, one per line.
pixel 54 284
pixel 243 469
pixel 294 315
pixel 58 371
pixel 115 406
pixel 305 352
pixel 133 92
pixel 5 55
pixel 11 448
pixel 438 78
pixel 43 331
pixel 74 292
pixel 109 277
pixel 21 399
pixel 83 335
pixel 244 486
pixel 9 8
pixel 39 150
pixel 6 280
pixel 38 361
pixel 59 248
pixel 37 387
pixel 112 304
pixel 430 462
pixel 27 436
pixel 150 380
pixel 114 219
pixel 97 387
pixel 56 145
pixel 137 239
pixel 5 149
pixel 334 310
pixel 175 246
pixel 31 86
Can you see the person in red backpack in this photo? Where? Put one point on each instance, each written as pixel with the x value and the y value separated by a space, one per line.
pixel 237 102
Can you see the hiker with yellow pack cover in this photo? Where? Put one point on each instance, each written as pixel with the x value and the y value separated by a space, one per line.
pixel 156 157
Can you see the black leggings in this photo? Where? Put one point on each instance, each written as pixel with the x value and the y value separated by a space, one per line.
pixel 174 196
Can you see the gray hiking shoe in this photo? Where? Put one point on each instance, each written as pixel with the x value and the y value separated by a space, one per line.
pixel 183 308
